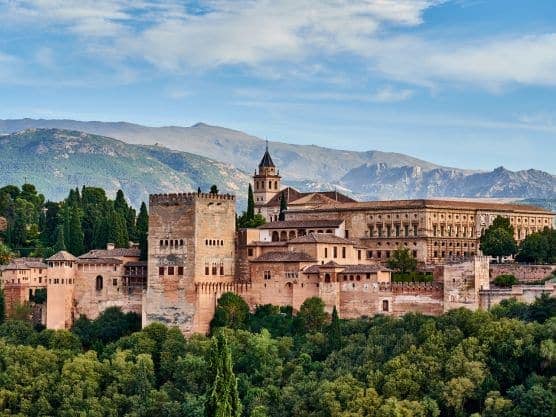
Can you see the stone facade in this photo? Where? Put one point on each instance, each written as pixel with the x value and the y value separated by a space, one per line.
pixel 523 273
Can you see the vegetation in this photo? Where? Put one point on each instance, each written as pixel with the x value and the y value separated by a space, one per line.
pixel 539 247
pixel 498 240
pixel 500 363
pixel 414 276
pixel 249 218
pixel 402 261
pixel 505 280
pixel 85 220
pixel 283 207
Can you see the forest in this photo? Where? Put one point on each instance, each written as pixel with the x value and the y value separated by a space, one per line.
pixel 87 219
pixel 499 363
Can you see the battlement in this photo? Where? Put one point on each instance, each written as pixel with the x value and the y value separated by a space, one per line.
pixel 177 198
pixel 411 287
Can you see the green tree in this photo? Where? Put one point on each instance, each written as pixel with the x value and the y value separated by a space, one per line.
pixel 401 260
pixel 250 203
pixel 2 306
pixel 231 311
pixel 539 247
pixel 60 243
pixel 283 207
pixel 213 189
pixel 498 240
pixel 312 317
pixel 6 254
pixel 334 333
pixel 143 230
pixel 222 398
pixel 75 237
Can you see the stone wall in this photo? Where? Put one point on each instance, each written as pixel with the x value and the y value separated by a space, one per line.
pixel 522 293
pixel 523 273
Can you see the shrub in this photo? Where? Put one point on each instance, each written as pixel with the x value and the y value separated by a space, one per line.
pixel 505 280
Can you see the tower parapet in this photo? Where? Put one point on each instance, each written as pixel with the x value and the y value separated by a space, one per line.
pixel 176 198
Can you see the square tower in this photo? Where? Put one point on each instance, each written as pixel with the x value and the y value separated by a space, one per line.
pixel 191 241
pixel 266 181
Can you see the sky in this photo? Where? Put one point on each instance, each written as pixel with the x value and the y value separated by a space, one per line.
pixel 463 83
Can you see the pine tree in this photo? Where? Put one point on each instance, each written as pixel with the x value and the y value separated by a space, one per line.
pixel 222 398
pixel 250 204
pixel 143 230
pixel 75 237
pixel 334 333
pixel 283 207
pixel 60 240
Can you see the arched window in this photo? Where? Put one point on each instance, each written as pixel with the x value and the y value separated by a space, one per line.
pixel 327 277
pixel 283 235
pixel 275 237
pixel 275 185
pixel 292 234
pixel 99 283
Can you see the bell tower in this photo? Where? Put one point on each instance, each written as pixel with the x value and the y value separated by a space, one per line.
pixel 266 181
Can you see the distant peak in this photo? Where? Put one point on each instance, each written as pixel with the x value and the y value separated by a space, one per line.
pixel 200 124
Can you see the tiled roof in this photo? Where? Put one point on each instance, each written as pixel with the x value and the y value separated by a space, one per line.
pixel 293 196
pixel 112 253
pixel 138 263
pixel 285 257
pixel 24 263
pixel 267 160
pixel 98 261
pixel 346 269
pixel 321 238
pixel 312 199
pixel 420 204
pixel 302 224
pixel 62 256
pixel 264 243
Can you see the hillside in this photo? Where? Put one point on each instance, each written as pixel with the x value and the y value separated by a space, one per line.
pixel 56 160
pixel 365 175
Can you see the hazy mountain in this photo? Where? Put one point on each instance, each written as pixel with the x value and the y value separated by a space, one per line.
pixel 365 175
pixel 296 162
pixel 56 160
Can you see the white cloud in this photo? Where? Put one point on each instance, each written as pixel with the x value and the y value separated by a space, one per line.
pixel 388 95
pixel 272 36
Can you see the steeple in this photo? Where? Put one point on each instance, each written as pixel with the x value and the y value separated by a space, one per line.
pixel 266 162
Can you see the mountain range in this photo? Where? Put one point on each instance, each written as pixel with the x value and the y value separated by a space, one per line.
pixel 364 175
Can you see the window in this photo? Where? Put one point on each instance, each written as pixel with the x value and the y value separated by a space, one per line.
pixel 343 251
pixel 371 231
pixel 347 234
pixel 98 283
pixel 114 281
pixel 250 252
pixel 214 268
pixel 266 275
pixel 326 252
pixel 359 255
pixel 378 254
pixel 327 277
pixel 414 230
pixel 415 254
pixel 384 305
pixel 206 269
pixel 335 251
pixel 397 230
pixel 161 271
pixel 180 270
pixel 170 270
pixel 388 231
pixel 221 268
pixel 387 254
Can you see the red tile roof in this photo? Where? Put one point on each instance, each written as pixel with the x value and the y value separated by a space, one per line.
pixel 285 257
pixel 302 224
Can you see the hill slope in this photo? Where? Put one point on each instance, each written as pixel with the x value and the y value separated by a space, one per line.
pixel 56 160
pixel 366 175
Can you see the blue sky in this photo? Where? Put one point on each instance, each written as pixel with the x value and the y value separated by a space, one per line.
pixel 466 83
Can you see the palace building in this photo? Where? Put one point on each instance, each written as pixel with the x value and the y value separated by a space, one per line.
pixel 329 246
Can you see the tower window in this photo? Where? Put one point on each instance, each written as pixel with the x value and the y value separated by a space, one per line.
pixel 99 283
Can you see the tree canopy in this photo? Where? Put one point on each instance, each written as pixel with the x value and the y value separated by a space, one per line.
pixel 498 240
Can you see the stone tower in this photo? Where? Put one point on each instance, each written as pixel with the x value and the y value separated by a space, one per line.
pixel 190 258
pixel 266 181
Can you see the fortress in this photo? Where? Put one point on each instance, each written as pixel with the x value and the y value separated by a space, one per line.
pixel 329 246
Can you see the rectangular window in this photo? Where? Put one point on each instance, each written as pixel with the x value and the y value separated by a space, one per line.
pixel 221 269
pixel 213 269
pixel 384 305
pixel 359 255
pixel 378 254
pixel 406 230
pixel 326 252
pixel 371 231
pixel 380 231
pixel 161 270
pixel 170 270
pixel 388 231
pixel 266 275
pixel 347 234
pixel 387 254
pixel 114 281
pixel 414 230
pixel 415 254
pixel 250 252
pixel 397 230
pixel 335 251
pixel 206 270
pixel 343 252
pixel 180 270
pixel 369 254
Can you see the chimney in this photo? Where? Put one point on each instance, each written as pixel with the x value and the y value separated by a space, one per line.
pixel 110 246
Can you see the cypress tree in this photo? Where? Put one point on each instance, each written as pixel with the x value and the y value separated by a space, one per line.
pixel 116 229
pixel 222 398
pixel 2 306
pixel 143 230
pixel 198 190
pixel 283 207
pixel 60 240
pixel 213 189
pixel 130 221
pixel 250 204
pixel 334 332
pixel 75 237
pixel 120 205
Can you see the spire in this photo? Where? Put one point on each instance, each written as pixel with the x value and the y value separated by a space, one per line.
pixel 267 160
